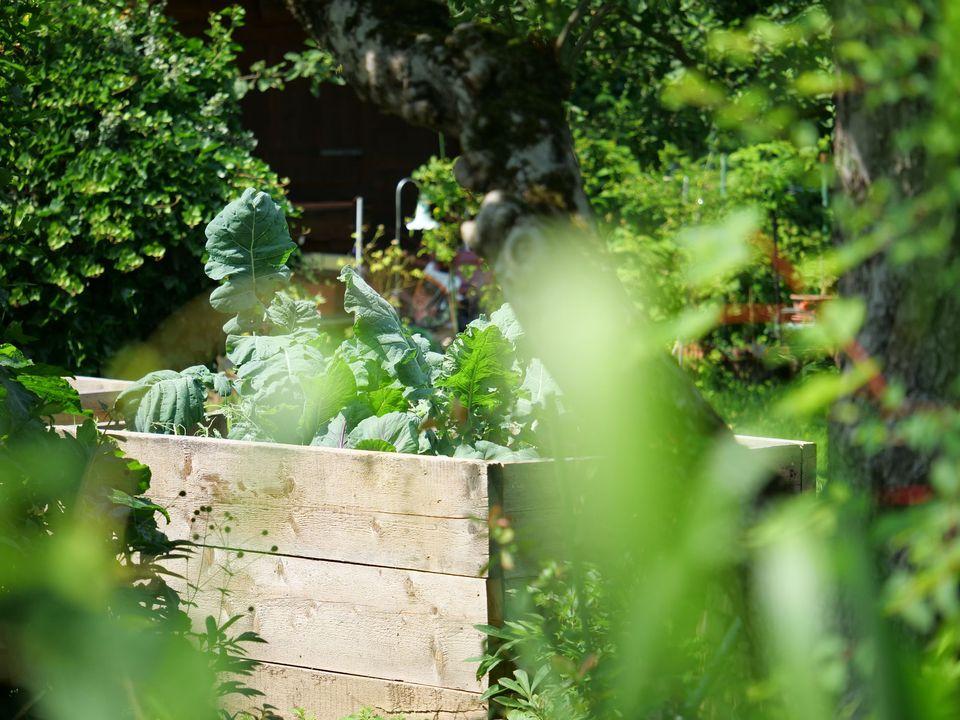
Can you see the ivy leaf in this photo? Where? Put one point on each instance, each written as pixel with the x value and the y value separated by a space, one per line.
pixel 248 245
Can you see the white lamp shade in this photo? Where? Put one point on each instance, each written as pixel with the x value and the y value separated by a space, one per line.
pixel 422 219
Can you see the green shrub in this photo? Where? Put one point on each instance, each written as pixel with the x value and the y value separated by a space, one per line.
pixel 450 205
pixel 119 138
pixel 647 211
pixel 657 222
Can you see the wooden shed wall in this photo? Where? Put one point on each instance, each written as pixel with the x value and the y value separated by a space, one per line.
pixel 332 147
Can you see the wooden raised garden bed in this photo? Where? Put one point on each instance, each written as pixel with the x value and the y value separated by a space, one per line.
pixel 366 572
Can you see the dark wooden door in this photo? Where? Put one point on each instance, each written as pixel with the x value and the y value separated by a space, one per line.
pixel 332 147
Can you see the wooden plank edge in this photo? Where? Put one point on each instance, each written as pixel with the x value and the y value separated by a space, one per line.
pixel 333 696
pixel 86 384
pixel 753 442
pixel 808 465
pixel 346 452
pixel 396 625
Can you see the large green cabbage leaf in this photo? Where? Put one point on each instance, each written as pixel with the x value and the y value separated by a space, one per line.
pixel 393 432
pixel 170 402
pixel 379 328
pixel 248 244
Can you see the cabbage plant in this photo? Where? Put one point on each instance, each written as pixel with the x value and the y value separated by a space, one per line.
pixel 383 388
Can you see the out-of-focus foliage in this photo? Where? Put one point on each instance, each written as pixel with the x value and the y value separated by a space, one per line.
pixel 312 63
pixel 678 594
pixel 649 215
pixel 763 64
pixel 119 137
pixel 89 627
pixel 680 598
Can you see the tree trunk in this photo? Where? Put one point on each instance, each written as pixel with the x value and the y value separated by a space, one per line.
pixel 911 307
pixel 503 97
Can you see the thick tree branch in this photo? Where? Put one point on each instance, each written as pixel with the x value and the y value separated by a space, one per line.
pixel 574 53
pixel 501 98
pixel 563 38
pixel 644 24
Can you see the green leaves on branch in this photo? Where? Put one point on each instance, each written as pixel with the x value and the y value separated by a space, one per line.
pixel 29 391
pixel 121 135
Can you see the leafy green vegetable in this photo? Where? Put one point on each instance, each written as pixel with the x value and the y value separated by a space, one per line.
pixel 478 372
pixel 290 316
pixel 381 389
pixel 169 402
pixel 483 450
pixel 395 432
pixel 539 389
pixel 378 326
pixel 248 244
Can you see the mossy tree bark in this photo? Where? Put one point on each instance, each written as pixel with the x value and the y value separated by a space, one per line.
pixel 911 299
pixel 503 98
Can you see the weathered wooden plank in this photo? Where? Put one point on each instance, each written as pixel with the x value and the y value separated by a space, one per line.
pixel 96 394
pixel 333 696
pixel 534 495
pixel 377 622
pixel 533 485
pixel 300 476
pixel 794 462
pixel 808 464
pixel 86 385
pixel 402 511
pixel 372 598
pixel 456 546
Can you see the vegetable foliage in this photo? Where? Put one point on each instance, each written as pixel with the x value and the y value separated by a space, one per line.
pixel 384 388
